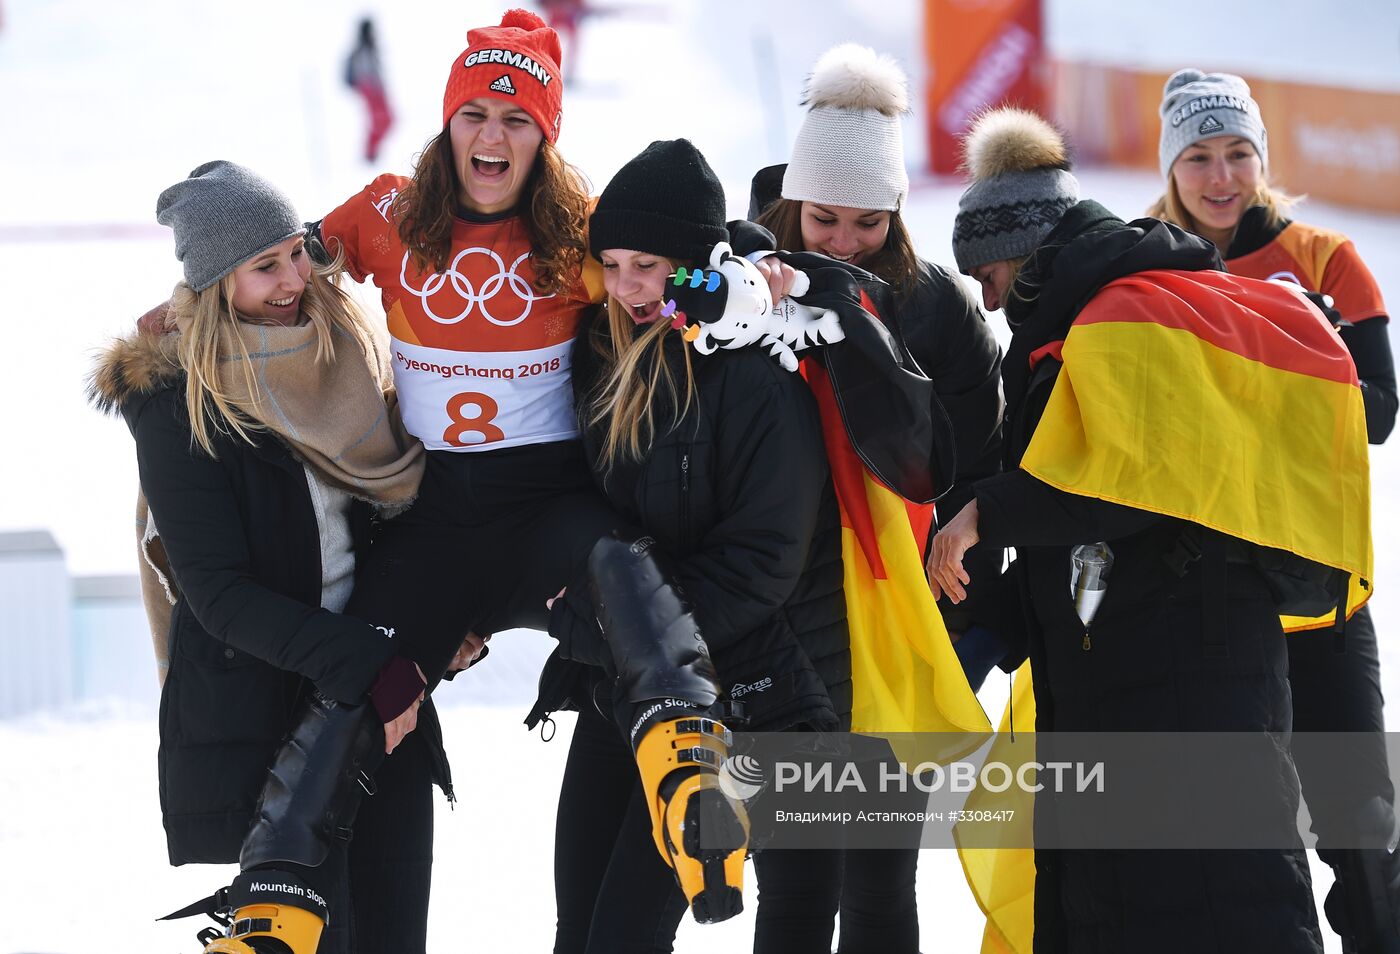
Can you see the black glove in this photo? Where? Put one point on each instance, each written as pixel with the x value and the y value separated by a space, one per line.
pixel 1325 305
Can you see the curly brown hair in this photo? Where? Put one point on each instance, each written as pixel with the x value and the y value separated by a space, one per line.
pixel 555 214
pixel 895 262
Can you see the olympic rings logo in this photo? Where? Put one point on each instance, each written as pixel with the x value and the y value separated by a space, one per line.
pixel 469 293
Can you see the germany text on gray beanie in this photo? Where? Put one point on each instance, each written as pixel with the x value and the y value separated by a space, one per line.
pixel 1198 106
pixel 223 215
pixel 850 149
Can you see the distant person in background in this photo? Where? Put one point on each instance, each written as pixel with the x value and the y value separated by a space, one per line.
pixel 841 195
pixel 264 439
pixel 365 75
pixel 1214 157
pixel 564 17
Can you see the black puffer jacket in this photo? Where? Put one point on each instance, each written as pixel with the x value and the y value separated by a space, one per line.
pixel 739 495
pixel 1161 655
pixel 945 332
pixel 248 636
pixel 942 328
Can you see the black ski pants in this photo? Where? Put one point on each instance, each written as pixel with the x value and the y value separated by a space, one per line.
pixel 614 894
pixel 492 536
pixel 612 891
pixel 377 885
pixel 1341 692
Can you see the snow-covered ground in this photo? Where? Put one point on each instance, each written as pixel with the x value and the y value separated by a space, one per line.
pixel 103 105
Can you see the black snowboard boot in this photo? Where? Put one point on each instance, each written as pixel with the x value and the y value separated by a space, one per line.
pixel 666 690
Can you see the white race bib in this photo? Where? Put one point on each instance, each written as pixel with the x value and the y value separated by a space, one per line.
pixel 482 400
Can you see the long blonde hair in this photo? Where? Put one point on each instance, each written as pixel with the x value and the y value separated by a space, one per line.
pixel 635 379
pixel 1278 206
pixel 201 316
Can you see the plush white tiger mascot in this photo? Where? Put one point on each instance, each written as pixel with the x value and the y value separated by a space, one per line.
pixel 729 305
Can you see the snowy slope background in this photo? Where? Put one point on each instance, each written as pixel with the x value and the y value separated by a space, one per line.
pixel 103 105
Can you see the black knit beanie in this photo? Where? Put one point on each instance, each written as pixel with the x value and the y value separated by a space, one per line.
pixel 666 201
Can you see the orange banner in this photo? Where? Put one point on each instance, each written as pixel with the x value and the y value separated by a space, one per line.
pixel 1338 145
pixel 980 53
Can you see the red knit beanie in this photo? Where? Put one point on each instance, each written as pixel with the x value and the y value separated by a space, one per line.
pixel 516 61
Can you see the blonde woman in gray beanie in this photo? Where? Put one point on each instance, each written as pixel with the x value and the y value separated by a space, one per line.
pixel 841 194
pixel 1111 459
pixel 1215 160
pixel 264 439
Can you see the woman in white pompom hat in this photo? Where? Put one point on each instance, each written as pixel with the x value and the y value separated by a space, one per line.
pixel 841 194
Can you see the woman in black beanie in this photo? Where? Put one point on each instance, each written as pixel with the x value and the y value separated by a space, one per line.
pixel 720 459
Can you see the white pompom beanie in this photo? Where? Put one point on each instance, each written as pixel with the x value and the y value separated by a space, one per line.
pixel 850 149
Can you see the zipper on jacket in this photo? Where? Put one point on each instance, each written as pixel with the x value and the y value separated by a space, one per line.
pixel 685 499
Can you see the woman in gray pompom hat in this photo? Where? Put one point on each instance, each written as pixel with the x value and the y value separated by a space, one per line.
pixel 1215 160
pixel 1142 449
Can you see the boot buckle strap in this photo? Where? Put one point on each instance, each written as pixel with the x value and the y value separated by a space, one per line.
pixel 698 754
pixel 703 726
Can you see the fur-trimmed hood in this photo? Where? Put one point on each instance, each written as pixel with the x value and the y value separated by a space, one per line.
pixel 135 366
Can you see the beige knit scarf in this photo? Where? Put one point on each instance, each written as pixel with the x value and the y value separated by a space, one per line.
pixel 334 414
pixel 339 417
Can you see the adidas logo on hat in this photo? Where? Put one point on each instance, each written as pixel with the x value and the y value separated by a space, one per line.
pixel 504 85
pixel 1209 126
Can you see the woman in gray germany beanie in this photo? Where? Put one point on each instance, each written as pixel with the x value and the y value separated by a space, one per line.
pixel 1197 106
pixel 1214 160
pixel 1214 156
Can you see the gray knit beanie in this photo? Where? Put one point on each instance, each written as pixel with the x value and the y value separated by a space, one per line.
pixel 223 215
pixel 1021 188
pixel 850 149
pixel 1198 106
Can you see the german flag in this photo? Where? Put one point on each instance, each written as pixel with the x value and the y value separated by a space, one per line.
pixel 905 675
pixel 1002 879
pixel 1222 400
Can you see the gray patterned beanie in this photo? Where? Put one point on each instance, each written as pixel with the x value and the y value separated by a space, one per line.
pixel 223 215
pixel 850 149
pixel 1198 106
pixel 1021 188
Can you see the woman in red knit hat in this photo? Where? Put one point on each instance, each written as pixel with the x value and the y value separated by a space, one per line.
pixel 481 261
pixel 480 257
